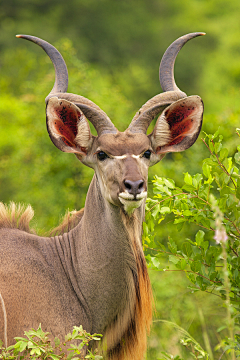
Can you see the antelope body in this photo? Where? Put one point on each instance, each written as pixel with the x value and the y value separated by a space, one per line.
pixel 95 274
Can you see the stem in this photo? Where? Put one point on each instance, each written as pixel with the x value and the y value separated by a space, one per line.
pixel 205 334
pixel 190 271
pixel 230 321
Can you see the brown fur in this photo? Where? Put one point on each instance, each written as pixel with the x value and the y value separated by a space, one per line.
pixel 16 216
pixel 135 336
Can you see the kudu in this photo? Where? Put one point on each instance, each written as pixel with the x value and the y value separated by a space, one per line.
pixel 95 274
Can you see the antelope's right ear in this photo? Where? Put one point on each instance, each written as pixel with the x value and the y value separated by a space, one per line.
pixel 67 126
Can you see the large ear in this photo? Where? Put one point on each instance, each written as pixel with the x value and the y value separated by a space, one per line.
pixel 178 127
pixel 67 127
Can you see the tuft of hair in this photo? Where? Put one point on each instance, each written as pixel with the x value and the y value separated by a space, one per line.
pixel 16 216
pixel 69 221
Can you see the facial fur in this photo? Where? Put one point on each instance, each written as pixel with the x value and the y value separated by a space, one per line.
pixel 121 169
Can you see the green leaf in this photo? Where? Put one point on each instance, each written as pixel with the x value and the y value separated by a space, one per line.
pixel 196 266
pixel 169 183
pixel 98 338
pixel 183 264
pixel 70 355
pixel 155 211
pixel 206 169
pixel 191 277
pixel 217 147
pixel 187 249
pixel 187 213
pixel 57 341
pixel 172 246
pixel 189 188
pixel 238 189
pixel 155 262
pixel 226 190
pixel 197 178
pixel 199 281
pixel 223 154
pixel 165 210
pixel 55 357
pixel 22 346
pixel 179 220
pixel 173 259
pixel 237 158
pixel 199 237
pixel 188 178
pixel 205 245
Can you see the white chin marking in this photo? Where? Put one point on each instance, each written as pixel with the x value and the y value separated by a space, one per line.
pixel 129 203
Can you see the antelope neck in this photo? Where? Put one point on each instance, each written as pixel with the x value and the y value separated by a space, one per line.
pixel 102 239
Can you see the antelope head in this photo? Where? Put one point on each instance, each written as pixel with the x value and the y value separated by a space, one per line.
pixel 121 159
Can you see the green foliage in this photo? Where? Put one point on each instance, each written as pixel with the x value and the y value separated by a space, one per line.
pixel 37 345
pixel 211 200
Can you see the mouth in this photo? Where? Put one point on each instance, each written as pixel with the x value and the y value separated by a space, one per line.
pixel 131 202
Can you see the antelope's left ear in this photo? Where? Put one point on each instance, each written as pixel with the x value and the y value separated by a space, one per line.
pixel 178 127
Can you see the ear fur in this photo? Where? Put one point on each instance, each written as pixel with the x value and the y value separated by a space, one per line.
pixel 67 126
pixel 178 127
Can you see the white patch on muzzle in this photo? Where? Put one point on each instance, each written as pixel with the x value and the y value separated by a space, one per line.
pixel 129 203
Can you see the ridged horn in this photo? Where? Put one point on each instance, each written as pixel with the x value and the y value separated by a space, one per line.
pixel 166 70
pixel 172 93
pixel 98 117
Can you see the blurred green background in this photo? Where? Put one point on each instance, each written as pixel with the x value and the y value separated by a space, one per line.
pixel 113 49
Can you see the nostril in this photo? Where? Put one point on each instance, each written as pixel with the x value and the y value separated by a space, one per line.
pixel 134 187
pixel 127 185
pixel 140 185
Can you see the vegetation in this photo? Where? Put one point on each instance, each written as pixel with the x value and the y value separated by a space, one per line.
pixel 112 50
pixel 210 260
pixel 37 345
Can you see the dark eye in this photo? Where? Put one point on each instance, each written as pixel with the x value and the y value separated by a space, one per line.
pixel 101 155
pixel 147 154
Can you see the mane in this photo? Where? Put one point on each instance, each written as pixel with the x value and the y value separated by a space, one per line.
pixel 69 221
pixel 16 216
pixel 132 344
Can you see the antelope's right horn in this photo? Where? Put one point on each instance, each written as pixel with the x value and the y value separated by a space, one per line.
pixel 172 93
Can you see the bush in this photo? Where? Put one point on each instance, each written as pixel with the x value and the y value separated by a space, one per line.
pixel 210 260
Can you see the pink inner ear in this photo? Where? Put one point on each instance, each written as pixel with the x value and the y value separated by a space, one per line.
pixel 181 123
pixel 66 126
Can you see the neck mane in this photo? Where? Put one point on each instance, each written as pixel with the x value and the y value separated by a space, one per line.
pixel 134 338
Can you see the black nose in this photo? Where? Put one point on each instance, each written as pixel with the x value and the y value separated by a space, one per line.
pixel 134 187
